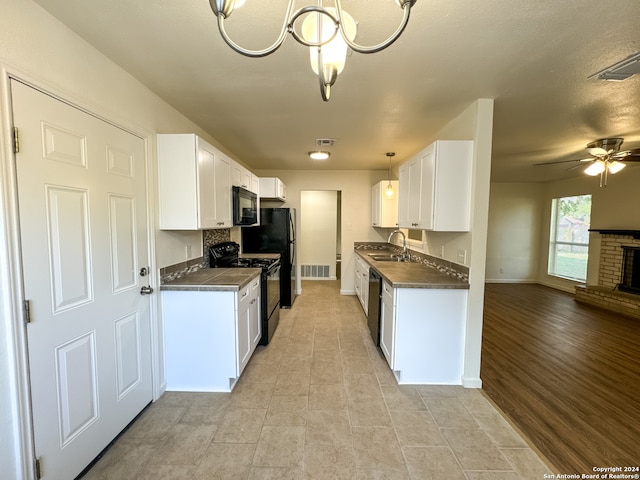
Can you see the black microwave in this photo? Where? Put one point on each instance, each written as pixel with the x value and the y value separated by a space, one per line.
pixel 245 207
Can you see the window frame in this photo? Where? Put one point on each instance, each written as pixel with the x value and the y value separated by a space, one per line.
pixel 554 242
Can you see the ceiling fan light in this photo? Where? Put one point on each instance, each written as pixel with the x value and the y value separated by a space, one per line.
pixel 319 155
pixel 596 168
pixel 615 167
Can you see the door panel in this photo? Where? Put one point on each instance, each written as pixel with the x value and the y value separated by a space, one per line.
pixel 83 229
pixel 69 251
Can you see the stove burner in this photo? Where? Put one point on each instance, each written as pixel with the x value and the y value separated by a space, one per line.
pixel 226 255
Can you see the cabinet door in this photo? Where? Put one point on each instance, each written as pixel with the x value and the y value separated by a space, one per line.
pixel 222 202
pixel 255 326
pixel 206 186
pixel 375 206
pixel 357 279
pixel 387 324
pixel 282 190
pixel 428 173
pixel 243 336
pixel 255 185
pixel 403 196
pixel 365 287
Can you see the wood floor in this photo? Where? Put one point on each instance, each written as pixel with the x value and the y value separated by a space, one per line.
pixel 566 374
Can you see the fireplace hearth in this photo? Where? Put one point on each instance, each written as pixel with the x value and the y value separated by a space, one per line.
pixel 618 287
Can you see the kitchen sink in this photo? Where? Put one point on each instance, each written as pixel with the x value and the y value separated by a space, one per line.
pixel 388 258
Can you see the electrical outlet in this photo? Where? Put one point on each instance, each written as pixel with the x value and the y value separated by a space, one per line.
pixel 188 251
pixel 442 251
pixel 462 256
pixel 501 270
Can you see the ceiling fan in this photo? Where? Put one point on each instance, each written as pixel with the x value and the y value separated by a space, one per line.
pixel 606 158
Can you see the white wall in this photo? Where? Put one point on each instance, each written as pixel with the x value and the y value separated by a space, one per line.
pixel 355 186
pixel 475 123
pixel 520 216
pixel 613 207
pixel 317 231
pixel 513 241
pixel 36 47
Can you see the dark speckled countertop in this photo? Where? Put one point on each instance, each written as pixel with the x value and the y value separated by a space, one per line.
pixel 410 274
pixel 214 279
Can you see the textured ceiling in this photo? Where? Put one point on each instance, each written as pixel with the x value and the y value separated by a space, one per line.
pixel 533 57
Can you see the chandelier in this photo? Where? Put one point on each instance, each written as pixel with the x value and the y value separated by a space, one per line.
pixel 328 32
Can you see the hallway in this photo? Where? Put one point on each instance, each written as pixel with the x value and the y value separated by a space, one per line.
pixel 320 402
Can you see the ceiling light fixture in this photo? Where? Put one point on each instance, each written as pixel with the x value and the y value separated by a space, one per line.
pixel 604 167
pixel 389 191
pixel 328 48
pixel 319 155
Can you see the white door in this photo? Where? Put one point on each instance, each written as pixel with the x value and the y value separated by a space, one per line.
pixel 82 204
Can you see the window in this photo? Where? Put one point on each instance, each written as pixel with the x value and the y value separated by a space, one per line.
pixel 569 243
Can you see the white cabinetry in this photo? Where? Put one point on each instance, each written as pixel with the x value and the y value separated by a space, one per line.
pixel 243 177
pixel 387 323
pixel 240 176
pixel 361 283
pixel 194 184
pixel 248 323
pixel 273 188
pixel 384 209
pixel 422 334
pixel 435 188
pixel 209 336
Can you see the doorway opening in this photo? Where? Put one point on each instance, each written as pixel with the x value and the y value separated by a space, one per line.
pixel 319 249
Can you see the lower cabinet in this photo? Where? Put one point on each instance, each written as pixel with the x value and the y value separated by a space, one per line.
pixel 361 283
pixel 209 336
pixel 422 334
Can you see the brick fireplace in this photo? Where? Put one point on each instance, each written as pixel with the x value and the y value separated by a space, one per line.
pixel 607 294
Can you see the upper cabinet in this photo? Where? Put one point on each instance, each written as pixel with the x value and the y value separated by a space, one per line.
pixel 243 177
pixel 272 188
pixel 435 188
pixel 384 207
pixel 194 183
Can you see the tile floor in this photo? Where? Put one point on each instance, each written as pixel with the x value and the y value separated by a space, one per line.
pixel 321 403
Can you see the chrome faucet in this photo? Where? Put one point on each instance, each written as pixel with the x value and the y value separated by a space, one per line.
pixel 404 243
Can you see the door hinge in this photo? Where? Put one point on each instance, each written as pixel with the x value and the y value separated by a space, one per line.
pixel 27 311
pixel 38 468
pixel 16 140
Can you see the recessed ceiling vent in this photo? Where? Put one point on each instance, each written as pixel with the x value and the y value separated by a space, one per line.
pixel 325 142
pixel 621 70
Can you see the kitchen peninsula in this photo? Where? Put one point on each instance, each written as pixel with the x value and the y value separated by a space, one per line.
pixel 422 316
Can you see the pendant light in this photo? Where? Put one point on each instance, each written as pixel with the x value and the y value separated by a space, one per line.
pixel 389 193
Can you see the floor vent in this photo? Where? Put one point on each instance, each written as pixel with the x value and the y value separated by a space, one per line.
pixel 315 271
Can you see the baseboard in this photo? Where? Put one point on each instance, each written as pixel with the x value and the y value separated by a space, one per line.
pixel 347 292
pixel 564 288
pixel 471 382
pixel 510 280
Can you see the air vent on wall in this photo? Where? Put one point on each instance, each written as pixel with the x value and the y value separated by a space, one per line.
pixel 315 271
pixel 621 70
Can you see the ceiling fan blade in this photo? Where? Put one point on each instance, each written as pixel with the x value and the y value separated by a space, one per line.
pixel 580 165
pixel 564 161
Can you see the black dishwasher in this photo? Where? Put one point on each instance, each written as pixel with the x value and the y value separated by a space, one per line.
pixel 373 316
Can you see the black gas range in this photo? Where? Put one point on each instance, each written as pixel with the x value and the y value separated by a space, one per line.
pixel 226 255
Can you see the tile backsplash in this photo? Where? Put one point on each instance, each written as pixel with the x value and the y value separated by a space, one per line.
pixel 209 237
